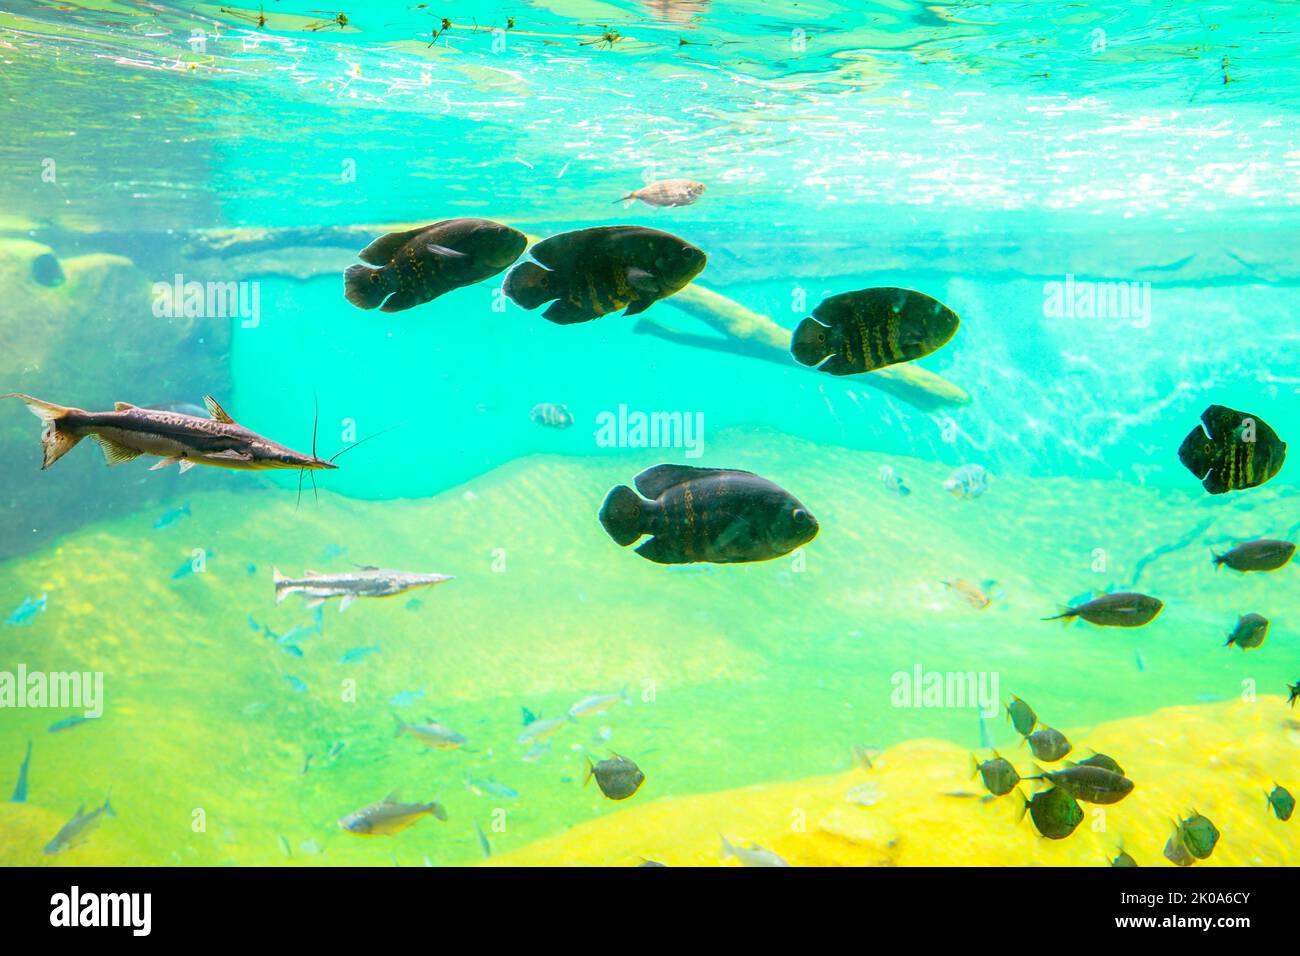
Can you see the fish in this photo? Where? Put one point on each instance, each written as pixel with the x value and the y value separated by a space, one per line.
pixel 483 843
pixel 666 193
pixel 1293 692
pixel 1122 859
pixel 855 332
pixel 368 582
pixel 618 777
pixel 1175 850
pixel 1262 554
pixel 1054 812
pixel 405 698
pixel 419 265
pixel 539 730
pixel 974 595
pixel 968 481
pixel 24 613
pixel 598 703
pixel 999 776
pixel 1199 835
pixel 552 415
pixel 1124 609
pixel 893 481
pixel 1090 784
pixel 1280 800
pixel 715 515
pixel 1231 450
pixel 592 272
pixel 491 787
pixel 171 517
pixel 77 830
pixel 68 722
pixel 296 683
pixel 752 855
pixel 1048 744
pixel 389 816
pixel 20 788
pixel 1104 762
pixel 1022 716
pixel 1250 631
pixel 431 733
pixel 128 432
pixel 536 752
pixel 186 567
pixel 355 654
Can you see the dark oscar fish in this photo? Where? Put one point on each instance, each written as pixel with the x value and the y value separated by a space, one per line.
pixel 617 777
pixel 1250 632
pixel 186 440
pixel 421 264
pixel 592 272
pixel 1232 451
pixel 707 514
pixel 1263 554
pixel 869 329
pixel 1125 609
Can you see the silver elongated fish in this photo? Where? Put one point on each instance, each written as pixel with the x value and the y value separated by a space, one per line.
pixel 77 830
pixel 389 816
pixel 128 432
pixel 368 581
pixel 598 703
pixel 431 734
pixel 752 855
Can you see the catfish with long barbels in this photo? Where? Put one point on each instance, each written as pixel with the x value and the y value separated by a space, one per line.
pixel 128 432
pixel 865 330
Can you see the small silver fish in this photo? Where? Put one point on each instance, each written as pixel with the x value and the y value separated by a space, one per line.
pixel 389 816
pixel 77 830
pixel 539 730
pixel 431 734
pixel 666 193
pixel 598 703
pixel 753 855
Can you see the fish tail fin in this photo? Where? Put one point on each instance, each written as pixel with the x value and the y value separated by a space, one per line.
pixel 401 725
pixel 974 765
pixel 1066 617
pixel 1218 559
pixel 623 515
pixel 808 345
pixel 54 443
pixel 529 285
pixel 108 804
pixel 591 769
pixel 1024 805
pixel 727 848
pixel 364 286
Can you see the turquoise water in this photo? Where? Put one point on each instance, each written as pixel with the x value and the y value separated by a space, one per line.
pixel 986 154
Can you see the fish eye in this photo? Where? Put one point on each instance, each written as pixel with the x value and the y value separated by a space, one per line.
pixel 1209 448
pixel 799 515
pixel 374 278
pixel 688 252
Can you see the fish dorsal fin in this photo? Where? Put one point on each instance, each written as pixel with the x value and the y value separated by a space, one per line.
pixel 653 482
pixel 122 406
pixel 381 251
pixel 394 796
pixel 216 411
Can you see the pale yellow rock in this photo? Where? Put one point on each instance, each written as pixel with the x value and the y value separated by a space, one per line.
pixel 1214 758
